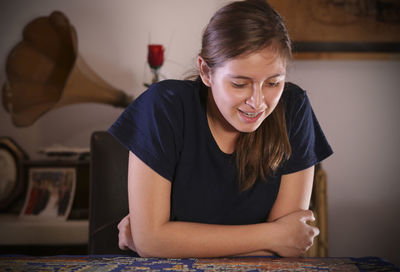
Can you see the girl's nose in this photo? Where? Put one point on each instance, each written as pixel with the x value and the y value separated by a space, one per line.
pixel 256 99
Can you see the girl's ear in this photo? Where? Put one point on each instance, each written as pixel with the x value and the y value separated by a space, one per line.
pixel 205 71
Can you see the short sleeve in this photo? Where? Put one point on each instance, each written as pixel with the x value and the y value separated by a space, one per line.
pixel 151 128
pixel 308 142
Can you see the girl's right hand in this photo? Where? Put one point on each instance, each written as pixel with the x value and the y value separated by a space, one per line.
pixel 125 238
pixel 294 235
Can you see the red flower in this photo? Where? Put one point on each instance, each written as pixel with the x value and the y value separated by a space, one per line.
pixel 155 56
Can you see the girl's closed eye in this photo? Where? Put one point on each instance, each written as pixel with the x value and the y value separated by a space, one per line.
pixel 274 83
pixel 239 84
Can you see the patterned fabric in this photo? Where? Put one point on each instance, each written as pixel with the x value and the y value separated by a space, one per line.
pixel 123 263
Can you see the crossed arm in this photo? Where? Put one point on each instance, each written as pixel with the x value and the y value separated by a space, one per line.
pixel 148 231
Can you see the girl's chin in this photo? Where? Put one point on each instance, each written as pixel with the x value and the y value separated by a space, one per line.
pixel 247 128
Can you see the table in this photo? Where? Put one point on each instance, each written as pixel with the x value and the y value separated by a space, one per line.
pixel 125 263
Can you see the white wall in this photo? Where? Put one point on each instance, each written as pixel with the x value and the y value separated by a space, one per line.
pixel 112 38
pixel 357 105
pixel 355 101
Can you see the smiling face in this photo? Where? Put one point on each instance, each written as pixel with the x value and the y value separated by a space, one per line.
pixel 244 90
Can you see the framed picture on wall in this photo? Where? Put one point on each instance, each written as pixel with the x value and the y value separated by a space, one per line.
pixel 342 29
pixel 50 193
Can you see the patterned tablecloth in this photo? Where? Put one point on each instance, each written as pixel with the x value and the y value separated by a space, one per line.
pixel 124 263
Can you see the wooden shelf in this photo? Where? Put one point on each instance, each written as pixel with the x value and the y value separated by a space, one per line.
pixel 15 230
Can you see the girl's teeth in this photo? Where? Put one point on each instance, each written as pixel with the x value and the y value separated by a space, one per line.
pixel 250 114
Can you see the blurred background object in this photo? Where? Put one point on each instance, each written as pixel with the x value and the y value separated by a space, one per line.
pixel 45 71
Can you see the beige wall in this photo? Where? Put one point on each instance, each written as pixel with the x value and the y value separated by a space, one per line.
pixel 357 105
pixel 355 101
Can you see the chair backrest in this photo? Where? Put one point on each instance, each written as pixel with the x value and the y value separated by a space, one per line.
pixel 318 205
pixel 108 193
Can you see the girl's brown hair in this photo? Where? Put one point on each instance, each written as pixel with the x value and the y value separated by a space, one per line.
pixel 237 29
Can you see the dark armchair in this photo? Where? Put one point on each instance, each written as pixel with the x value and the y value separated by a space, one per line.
pixel 108 193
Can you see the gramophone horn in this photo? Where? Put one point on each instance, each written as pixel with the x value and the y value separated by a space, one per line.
pixel 44 72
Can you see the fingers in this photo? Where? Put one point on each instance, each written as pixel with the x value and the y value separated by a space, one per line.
pixel 121 245
pixel 313 231
pixel 309 241
pixel 307 216
pixel 123 222
pixel 301 232
pixel 316 231
pixel 121 241
pixel 124 233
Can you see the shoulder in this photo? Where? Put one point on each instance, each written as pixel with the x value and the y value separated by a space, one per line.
pixel 293 92
pixel 298 109
pixel 166 96
pixel 172 89
pixel 294 98
pixel 175 84
pixel 308 142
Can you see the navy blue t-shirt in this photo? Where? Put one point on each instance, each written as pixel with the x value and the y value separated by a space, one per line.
pixel 166 127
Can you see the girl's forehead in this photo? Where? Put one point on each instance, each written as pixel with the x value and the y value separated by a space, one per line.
pixel 262 62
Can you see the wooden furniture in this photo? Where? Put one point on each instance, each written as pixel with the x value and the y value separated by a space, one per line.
pixel 319 207
pixel 42 237
pixel 36 235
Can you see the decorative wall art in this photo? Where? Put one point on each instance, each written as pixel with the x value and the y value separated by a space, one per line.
pixel 342 29
pixel 45 71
